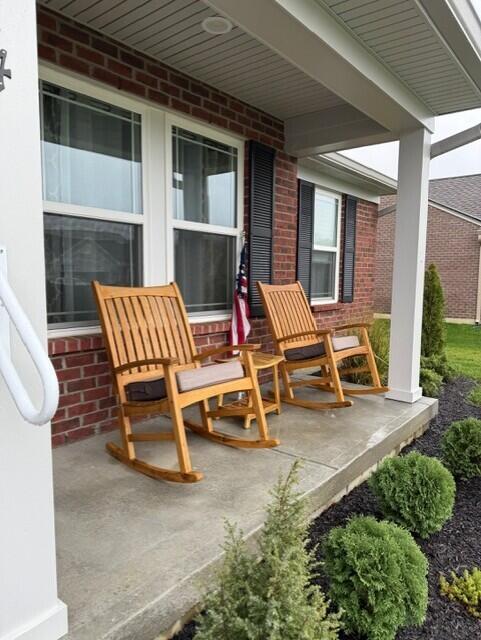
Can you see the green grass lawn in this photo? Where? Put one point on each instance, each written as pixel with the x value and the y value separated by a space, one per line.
pixel 463 349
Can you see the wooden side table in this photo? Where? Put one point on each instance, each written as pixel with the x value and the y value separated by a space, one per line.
pixel 261 361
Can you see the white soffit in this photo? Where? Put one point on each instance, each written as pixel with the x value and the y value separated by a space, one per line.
pixel 336 172
pixel 235 63
pixel 402 36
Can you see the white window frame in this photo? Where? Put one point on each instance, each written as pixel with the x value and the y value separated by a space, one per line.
pixel 157 228
pixel 172 120
pixel 336 249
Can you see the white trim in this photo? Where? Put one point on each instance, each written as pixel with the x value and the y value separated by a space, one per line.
pixel 93 213
pixel 405 396
pixel 337 249
pixel 173 120
pixel 51 625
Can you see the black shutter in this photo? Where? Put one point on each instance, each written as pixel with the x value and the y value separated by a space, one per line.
pixel 305 225
pixel 261 220
pixel 349 255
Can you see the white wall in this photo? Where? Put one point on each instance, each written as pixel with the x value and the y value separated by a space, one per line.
pixel 29 608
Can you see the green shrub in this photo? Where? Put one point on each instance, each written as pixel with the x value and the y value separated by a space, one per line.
pixel 415 491
pixel 378 577
pixel 433 336
pixel 379 337
pixel 273 599
pixel 440 365
pixel 465 589
pixel 461 448
pixel 431 382
pixel 474 396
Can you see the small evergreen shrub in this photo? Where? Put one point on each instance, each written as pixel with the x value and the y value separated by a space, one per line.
pixel 433 337
pixel 440 365
pixel 379 337
pixel 378 577
pixel 273 599
pixel 461 448
pixel 465 589
pixel 431 382
pixel 474 396
pixel 415 491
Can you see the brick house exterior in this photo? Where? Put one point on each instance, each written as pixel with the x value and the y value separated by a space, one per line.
pixel 452 245
pixel 87 403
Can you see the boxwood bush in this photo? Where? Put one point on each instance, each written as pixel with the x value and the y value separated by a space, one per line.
pixel 461 448
pixel 378 577
pixel 415 491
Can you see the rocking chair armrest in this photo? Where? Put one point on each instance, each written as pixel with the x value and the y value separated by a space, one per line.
pixel 228 347
pixel 301 334
pixel 354 325
pixel 165 362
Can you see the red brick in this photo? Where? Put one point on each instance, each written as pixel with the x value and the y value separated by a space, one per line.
pixel 105 76
pixel 73 63
pixel 156 96
pixel 105 47
pixel 74 34
pixel 79 434
pixel 94 418
pixel 131 59
pixel 119 68
pixel 90 55
pixel 132 87
pixel 47 53
pixel 46 20
pixel 81 409
pixel 57 41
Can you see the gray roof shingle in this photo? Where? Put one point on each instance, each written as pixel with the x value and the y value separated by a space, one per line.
pixel 461 193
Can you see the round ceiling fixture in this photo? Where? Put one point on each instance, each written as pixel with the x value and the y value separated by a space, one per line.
pixel 216 25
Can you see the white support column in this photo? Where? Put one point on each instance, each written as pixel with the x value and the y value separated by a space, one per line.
pixel 408 271
pixel 29 606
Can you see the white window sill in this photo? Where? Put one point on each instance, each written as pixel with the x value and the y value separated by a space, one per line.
pixel 95 330
pixel 317 302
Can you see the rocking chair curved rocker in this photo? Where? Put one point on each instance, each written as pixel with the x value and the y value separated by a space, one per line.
pixel 157 369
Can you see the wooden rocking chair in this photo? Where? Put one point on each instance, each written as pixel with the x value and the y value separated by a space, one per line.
pixel 157 369
pixel 303 345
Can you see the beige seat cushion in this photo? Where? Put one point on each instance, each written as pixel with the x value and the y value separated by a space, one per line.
pixel 209 375
pixel 317 350
pixel 345 342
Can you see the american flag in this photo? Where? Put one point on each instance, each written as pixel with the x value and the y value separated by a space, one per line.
pixel 240 325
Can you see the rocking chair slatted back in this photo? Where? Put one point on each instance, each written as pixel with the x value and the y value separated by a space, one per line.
pixel 288 312
pixel 144 323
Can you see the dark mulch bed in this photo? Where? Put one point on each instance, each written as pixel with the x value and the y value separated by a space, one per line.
pixel 456 547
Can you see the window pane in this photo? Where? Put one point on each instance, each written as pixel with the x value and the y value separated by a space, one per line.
pixel 204 180
pixel 323 274
pixel 91 152
pixel 79 250
pixel 205 269
pixel 325 221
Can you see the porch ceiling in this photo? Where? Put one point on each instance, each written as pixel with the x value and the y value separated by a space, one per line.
pixel 236 63
pixel 404 36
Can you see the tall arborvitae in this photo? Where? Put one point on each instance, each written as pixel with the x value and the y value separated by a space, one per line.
pixel 433 334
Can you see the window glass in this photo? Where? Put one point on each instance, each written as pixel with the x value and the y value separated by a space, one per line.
pixel 79 250
pixel 204 269
pixel 204 179
pixel 325 220
pixel 91 152
pixel 323 274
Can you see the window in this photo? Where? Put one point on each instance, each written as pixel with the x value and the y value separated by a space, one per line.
pixel 205 220
pixel 92 190
pixel 325 249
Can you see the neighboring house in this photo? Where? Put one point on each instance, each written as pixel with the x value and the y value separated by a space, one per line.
pixel 453 245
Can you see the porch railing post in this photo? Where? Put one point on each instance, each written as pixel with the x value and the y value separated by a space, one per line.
pixel 29 606
pixel 408 269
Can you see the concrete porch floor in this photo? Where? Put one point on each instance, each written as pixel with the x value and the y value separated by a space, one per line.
pixel 134 553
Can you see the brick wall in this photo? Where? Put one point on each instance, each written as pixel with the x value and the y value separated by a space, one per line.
pixel 87 402
pixel 452 245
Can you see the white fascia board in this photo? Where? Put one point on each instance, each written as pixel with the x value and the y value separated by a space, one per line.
pixel 304 33
pixel 326 173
